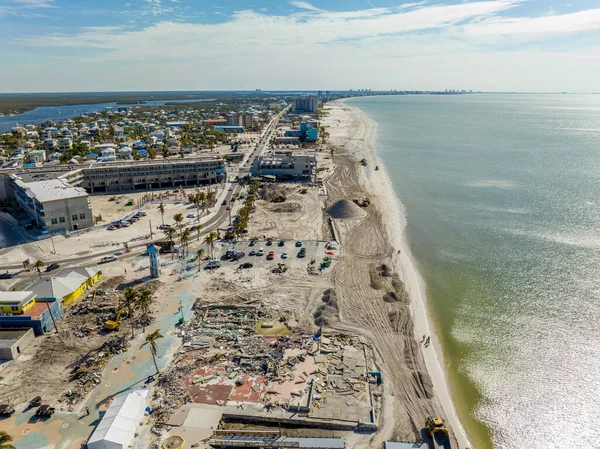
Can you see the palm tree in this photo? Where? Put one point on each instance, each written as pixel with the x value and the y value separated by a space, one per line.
pixel 145 300
pixel 199 254
pixel 185 238
pixel 201 201
pixel 178 219
pixel 170 233
pixel 151 341
pixel 5 440
pixel 198 229
pixel 131 297
pixel 38 267
pixel 209 241
pixel 161 209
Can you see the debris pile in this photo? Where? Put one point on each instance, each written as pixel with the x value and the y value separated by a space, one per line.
pixel 88 373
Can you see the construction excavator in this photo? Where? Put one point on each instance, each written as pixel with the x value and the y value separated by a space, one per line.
pixel 115 322
pixel 438 433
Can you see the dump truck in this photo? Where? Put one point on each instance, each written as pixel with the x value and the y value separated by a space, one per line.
pixel 437 431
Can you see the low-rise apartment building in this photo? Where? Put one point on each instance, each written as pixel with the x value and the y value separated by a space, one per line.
pixel 152 174
pixel 285 165
pixel 53 204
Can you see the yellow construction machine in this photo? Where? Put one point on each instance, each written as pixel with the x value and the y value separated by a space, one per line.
pixel 116 322
pixel 438 433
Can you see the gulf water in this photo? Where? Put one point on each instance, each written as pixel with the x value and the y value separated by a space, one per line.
pixel 502 198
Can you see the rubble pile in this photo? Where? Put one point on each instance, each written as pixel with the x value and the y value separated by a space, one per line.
pixel 88 373
pixel 224 360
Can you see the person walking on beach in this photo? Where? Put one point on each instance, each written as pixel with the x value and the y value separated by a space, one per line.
pixel 87 411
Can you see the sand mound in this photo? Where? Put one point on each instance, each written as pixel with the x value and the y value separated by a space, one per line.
pixel 346 210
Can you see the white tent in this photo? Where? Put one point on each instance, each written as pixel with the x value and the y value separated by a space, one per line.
pixel 119 423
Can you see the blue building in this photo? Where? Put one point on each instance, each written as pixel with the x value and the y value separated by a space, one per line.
pixel 230 129
pixel 309 131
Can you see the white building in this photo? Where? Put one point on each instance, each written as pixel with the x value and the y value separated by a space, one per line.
pixel 120 422
pixel 53 204
pixel 285 165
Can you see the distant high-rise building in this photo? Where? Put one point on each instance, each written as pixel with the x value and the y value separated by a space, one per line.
pixel 233 119
pixel 246 120
pixel 308 104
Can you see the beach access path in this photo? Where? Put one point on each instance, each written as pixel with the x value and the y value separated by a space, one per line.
pixel 413 375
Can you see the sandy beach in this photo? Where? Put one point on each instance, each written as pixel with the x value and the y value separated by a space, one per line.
pixel 410 367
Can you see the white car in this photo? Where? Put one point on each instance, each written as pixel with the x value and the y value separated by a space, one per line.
pixel 108 259
pixel 261 252
pixel 284 255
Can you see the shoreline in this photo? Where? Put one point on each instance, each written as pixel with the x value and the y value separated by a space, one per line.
pixel 395 222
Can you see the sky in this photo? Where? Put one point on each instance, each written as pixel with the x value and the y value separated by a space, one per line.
pixel 138 45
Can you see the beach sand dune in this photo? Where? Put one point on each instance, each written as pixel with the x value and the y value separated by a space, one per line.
pixel 380 293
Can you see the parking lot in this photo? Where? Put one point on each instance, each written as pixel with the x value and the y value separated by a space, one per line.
pixel 315 250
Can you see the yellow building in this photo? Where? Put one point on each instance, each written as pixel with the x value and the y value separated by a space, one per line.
pixel 66 286
pixel 16 303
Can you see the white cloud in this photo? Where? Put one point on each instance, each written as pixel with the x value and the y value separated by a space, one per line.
pixel 304 5
pixel 417 46
pixel 35 3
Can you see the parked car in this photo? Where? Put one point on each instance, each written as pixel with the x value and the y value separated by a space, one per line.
pixel 246 265
pixel 108 259
pixel 269 242
pixel 281 243
pixel 252 243
pixel 252 252
pixel 302 253
pixel 7 275
pixel 142 213
pixel 52 267
pixel 6 410
pixel 271 255
pixel 238 255
pixel 299 243
pixel 213 264
pixel 284 255
pixel 261 252
pixel 191 216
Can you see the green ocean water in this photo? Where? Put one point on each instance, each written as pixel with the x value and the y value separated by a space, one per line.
pixel 502 200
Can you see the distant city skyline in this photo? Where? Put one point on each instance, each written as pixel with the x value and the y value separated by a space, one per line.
pixel 158 45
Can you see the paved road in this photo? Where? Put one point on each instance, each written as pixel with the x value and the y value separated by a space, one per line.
pixel 219 220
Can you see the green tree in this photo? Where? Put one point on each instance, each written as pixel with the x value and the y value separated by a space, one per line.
pixel 161 209
pixel 38 267
pixel 145 300
pixel 151 342
pixel 198 229
pixel 185 238
pixel 131 297
pixel 170 233
pixel 5 440
pixel 199 255
pixel 209 241
pixel 178 219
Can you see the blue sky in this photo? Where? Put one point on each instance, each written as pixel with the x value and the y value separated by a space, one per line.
pixel 500 45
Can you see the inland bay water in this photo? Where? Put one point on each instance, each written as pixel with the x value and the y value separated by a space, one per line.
pixel 502 200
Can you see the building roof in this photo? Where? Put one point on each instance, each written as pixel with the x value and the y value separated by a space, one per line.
pixel 55 287
pixel 81 272
pixel 16 298
pixel 62 284
pixel 53 190
pixel 403 445
pixel 8 337
pixel 119 423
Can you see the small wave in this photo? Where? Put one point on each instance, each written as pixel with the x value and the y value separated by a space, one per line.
pixel 580 240
pixel 493 183
pixel 504 210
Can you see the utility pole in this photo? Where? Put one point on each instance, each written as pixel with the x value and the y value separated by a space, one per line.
pixel 181 309
pixel 229 207
pixel 151 234
pixel 52 240
pixel 52 316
